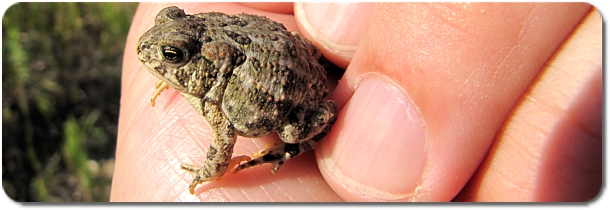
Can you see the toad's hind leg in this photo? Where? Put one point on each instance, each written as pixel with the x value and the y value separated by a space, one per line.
pixel 302 135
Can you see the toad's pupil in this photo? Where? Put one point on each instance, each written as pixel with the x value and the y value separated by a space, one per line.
pixel 173 55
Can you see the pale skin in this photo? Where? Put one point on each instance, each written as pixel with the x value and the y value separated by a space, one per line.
pixel 498 123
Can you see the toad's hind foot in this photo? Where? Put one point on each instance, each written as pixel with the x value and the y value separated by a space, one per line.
pixel 238 160
pixel 277 155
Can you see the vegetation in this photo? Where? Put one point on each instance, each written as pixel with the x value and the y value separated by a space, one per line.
pixel 61 73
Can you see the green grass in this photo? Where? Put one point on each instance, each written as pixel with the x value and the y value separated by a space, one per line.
pixel 61 68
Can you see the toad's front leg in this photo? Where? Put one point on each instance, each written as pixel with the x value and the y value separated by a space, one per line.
pixel 221 148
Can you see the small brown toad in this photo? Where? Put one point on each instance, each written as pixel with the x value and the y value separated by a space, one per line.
pixel 248 76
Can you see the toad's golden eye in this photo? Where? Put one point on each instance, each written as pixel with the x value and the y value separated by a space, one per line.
pixel 173 55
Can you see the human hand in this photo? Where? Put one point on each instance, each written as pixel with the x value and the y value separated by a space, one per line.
pixel 430 92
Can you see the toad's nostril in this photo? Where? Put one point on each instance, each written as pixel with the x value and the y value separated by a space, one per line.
pixel 143 46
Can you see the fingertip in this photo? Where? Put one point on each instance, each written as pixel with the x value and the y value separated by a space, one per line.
pixel 379 155
pixel 336 27
pixel 277 7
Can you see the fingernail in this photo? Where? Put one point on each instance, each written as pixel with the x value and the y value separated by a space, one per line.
pixel 380 152
pixel 337 25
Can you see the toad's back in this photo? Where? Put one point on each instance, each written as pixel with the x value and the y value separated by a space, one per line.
pixel 280 70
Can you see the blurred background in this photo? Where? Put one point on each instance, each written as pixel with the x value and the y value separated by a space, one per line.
pixel 61 74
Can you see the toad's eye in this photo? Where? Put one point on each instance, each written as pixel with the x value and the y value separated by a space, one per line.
pixel 174 55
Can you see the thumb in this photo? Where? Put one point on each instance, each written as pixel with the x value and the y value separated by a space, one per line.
pixel 426 90
pixel 377 130
pixel 396 132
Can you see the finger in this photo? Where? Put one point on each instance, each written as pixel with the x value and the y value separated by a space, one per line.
pixel 275 7
pixel 153 141
pixel 427 90
pixel 553 138
pixel 335 28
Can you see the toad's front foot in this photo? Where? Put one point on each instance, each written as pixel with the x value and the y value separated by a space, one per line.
pixel 203 175
pixel 199 175
pixel 159 87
